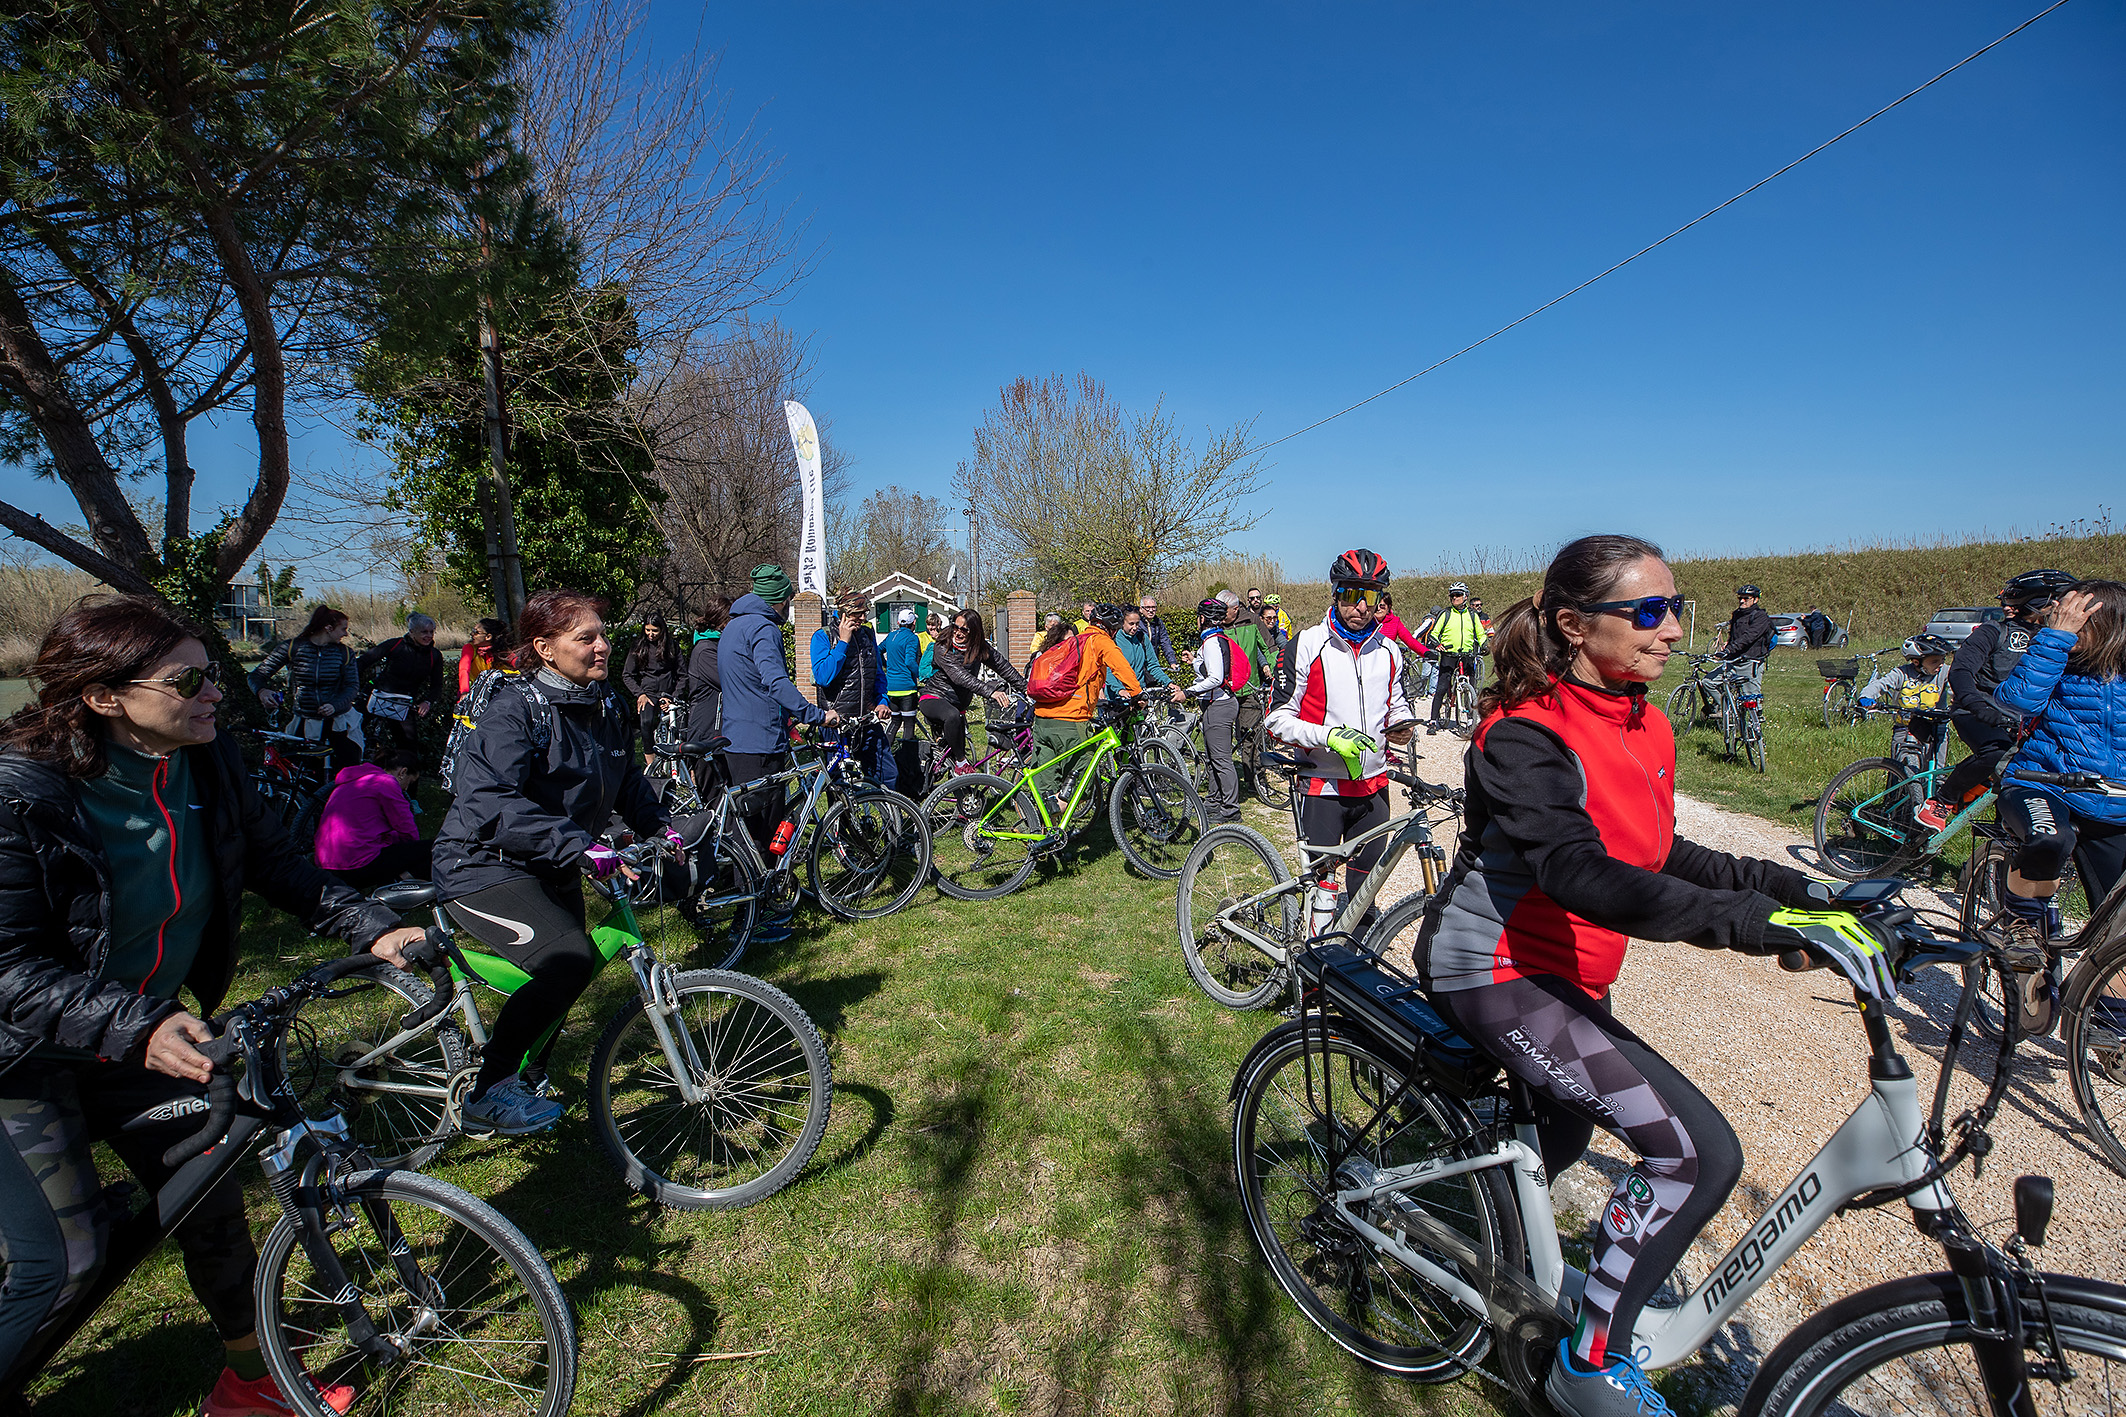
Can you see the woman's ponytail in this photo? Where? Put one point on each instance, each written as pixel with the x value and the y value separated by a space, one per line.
pixel 1528 650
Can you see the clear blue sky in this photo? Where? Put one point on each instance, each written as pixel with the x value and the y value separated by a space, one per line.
pixel 1268 212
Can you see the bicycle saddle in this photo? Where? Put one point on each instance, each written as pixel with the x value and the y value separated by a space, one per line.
pixel 403 896
pixel 702 750
pixel 1276 759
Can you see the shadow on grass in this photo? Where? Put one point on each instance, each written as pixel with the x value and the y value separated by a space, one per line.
pixel 945 1139
pixel 152 1372
pixel 882 1115
pixel 827 1001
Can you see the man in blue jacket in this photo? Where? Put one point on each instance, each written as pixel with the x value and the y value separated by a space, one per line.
pixel 845 669
pixel 759 699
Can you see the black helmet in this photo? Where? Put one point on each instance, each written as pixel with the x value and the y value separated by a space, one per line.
pixel 2035 590
pixel 1749 590
pixel 1359 568
pixel 1108 617
pixel 1209 609
pixel 1920 646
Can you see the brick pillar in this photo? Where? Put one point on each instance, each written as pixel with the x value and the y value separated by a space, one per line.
pixel 1024 624
pixel 807 614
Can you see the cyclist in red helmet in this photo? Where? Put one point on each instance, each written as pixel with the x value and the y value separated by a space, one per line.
pixel 1338 695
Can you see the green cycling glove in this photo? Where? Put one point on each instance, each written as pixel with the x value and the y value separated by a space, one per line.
pixel 1839 938
pixel 1351 745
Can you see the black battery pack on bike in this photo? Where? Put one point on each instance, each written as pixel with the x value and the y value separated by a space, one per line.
pixel 1382 999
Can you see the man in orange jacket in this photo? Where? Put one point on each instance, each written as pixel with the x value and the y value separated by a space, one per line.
pixel 1058 728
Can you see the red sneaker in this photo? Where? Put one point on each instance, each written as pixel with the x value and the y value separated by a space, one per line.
pixel 1932 815
pixel 233 1397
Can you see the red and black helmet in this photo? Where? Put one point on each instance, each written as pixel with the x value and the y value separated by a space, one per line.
pixel 1359 568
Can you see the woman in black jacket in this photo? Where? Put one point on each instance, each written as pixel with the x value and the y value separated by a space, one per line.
pixel 653 672
pixel 704 683
pixel 957 660
pixel 323 681
pixel 537 780
pixel 128 834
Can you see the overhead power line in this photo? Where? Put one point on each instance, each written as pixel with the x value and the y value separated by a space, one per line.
pixel 1502 329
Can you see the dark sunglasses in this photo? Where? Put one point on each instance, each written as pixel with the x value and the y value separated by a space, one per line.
pixel 1645 614
pixel 187 682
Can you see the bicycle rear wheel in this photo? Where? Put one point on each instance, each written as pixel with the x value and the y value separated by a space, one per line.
pixel 474 1311
pixel 1753 737
pixel 1157 819
pixel 1863 827
pixel 1985 890
pixel 968 856
pixel 1686 705
pixel 1905 1347
pixel 2094 1033
pixel 766 1090
pixel 397 1100
pixel 1232 864
pixel 722 904
pixel 1300 1104
pixel 870 855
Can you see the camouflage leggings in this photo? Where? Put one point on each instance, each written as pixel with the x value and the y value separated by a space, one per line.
pixel 54 1221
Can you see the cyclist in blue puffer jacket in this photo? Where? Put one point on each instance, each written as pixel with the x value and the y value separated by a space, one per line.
pixel 2072 684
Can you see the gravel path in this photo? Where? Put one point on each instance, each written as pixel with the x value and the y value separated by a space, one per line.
pixel 1784 1057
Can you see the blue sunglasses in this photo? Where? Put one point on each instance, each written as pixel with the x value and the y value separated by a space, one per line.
pixel 1645 614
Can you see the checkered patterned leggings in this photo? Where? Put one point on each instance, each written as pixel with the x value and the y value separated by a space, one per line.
pixel 1587 1071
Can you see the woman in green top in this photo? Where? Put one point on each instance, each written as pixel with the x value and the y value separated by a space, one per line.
pixel 128 834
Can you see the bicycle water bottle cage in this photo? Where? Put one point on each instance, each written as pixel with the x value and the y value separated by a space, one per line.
pixel 1382 1000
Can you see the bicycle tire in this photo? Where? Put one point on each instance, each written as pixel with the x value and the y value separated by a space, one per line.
pixel 1855 849
pixel 397 1128
pixel 302 826
pixel 1156 818
pixel 1753 737
pixel 1165 753
pixel 969 864
pixel 2094 1032
pixel 1686 704
pixel 1902 1343
pixel 1985 885
pixel 722 905
pixel 870 855
pixel 771 1089
pixel 1233 863
pixel 1343 1285
pixel 1272 787
pixel 1838 703
pixel 1464 705
pixel 465 1254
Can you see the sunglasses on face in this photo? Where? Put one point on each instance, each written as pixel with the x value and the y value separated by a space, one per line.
pixel 1352 595
pixel 187 683
pixel 1646 614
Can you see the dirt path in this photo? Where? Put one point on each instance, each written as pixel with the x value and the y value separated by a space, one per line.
pixel 1784 1057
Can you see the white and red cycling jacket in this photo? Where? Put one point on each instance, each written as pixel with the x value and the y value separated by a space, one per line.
pixel 1323 681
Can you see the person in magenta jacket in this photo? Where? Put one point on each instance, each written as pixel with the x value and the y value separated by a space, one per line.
pixel 366 835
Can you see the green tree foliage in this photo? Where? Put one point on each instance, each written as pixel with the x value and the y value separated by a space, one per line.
pixel 278 587
pixel 200 204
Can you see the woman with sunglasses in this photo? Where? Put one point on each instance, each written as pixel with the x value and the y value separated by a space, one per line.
pixel 1337 694
pixel 129 833
pixel 1568 849
pixel 961 657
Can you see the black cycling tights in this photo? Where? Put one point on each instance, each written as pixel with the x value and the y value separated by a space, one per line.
pixel 538 926
pixel 948 723
pixel 1330 820
pixel 2050 834
pixel 1588 1070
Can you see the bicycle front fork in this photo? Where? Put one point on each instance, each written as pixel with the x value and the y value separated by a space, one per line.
pixel 660 1005
pixel 304 1203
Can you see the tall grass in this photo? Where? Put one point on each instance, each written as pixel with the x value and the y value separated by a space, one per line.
pixel 31 597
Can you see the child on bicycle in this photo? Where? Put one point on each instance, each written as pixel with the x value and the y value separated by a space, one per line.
pixel 1918 686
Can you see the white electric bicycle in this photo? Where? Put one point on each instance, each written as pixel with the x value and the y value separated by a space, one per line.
pixel 1396 1187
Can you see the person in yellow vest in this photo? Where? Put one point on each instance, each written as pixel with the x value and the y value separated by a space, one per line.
pixel 1919 685
pixel 1459 635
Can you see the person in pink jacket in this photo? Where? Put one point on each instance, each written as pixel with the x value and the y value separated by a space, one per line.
pixel 366 835
pixel 1392 626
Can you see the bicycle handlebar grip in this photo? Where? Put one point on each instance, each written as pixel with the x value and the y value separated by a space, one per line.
pixel 430 955
pixel 336 969
pixel 221 1103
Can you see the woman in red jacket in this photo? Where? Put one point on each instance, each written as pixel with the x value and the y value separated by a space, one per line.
pixel 1568 849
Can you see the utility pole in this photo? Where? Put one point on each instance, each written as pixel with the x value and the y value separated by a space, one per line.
pixel 974 557
pixel 498 517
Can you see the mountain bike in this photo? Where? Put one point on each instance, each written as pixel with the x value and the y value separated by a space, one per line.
pixel 1461 700
pixel 1395 1186
pixel 987 832
pixel 1865 824
pixel 1242 914
pixel 294 777
pixel 1842 683
pixel 708 1090
pixel 1691 702
pixel 407 1289
pixel 1714 694
pixel 1742 721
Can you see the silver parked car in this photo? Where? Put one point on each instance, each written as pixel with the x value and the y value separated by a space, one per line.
pixel 1787 631
pixel 1958 621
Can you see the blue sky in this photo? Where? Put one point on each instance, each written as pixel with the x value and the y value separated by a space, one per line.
pixel 1266 213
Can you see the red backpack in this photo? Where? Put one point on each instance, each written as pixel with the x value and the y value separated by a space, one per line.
pixel 1052 678
pixel 1238 667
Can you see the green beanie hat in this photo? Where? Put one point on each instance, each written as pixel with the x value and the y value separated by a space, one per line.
pixel 771 585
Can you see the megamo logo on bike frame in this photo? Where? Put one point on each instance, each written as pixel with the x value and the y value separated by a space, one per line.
pixel 1748 1260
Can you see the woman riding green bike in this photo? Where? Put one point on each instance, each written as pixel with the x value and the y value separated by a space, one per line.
pixel 537 780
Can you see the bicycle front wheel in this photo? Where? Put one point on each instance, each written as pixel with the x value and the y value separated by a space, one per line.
pixel 395 1095
pixel 1985 897
pixel 722 903
pixel 764 1083
pixel 1686 704
pixel 1864 827
pixel 1300 1106
pixel 870 855
pixel 1231 865
pixel 1905 1347
pixel 982 831
pixel 2095 1036
pixel 1157 819
pixel 479 1323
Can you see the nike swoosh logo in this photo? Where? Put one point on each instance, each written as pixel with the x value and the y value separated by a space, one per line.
pixel 523 932
pixel 197 806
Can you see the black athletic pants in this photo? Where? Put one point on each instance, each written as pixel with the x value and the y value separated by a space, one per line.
pixel 1987 742
pixel 948 723
pixel 1330 820
pixel 2050 834
pixel 1588 1070
pixel 759 809
pixel 54 1224
pixel 538 925
pixel 1449 662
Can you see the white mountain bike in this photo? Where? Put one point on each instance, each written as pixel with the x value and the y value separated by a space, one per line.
pixel 1397 1189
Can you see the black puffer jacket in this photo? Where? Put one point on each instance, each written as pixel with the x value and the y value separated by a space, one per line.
pixel 1987 656
pixel 1749 634
pixel 704 690
pixel 55 907
pixel 521 812
pixel 953 679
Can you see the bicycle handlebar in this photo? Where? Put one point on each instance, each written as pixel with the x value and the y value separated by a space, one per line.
pixel 2072 781
pixel 221 1103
